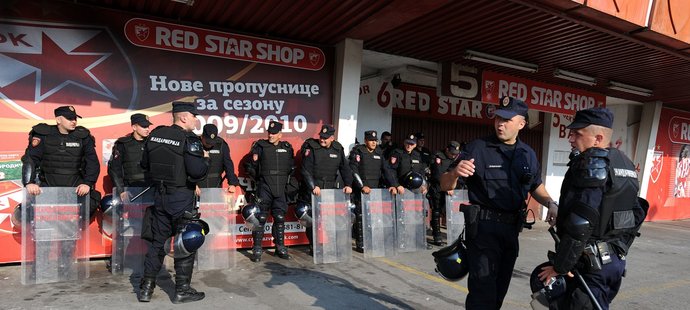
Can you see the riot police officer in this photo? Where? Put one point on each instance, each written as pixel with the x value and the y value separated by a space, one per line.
pixel 220 161
pixel 124 166
pixel 370 170
pixel 437 201
pixel 600 182
pixel 62 155
pixel 499 170
pixel 330 156
pixel 271 167
pixel 425 152
pixel 387 145
pixel 175 159
pixel 407 160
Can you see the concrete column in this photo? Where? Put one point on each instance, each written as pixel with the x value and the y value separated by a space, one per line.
pixel 348 69
pixel 646 141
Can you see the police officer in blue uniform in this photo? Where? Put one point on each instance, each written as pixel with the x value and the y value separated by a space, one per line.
pixel 499 170
pixel 221 165
pixel 369 170
pixel 271 166
pixel 323 159
pixel 437 197
pixel 175 159
pixel 405 160
pixel 599 213
pixel 124 166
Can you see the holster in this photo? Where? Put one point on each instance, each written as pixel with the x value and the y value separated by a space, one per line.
pixel 146 224
pixel 471 213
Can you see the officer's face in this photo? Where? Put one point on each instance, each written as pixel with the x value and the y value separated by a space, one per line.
pixel 409 147
pixel 386 140
pixel 274 138
pixel 326 142
pixel 582 139
pixel 371 144
pixel 140 132
pixel 507 129
pixel 66 125
pixel 420 142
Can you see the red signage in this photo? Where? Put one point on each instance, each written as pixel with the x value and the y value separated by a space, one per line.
pixel 679 130
pixel 174 37
pixel 539 96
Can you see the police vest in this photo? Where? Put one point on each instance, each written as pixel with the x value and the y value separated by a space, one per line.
pixel 409 162
pixel 369 165
pixel 327 162
pixel 62 155
pixel 215 168
pixel 131 160
pixel 166 146
pixel 616 212
pixel 276 160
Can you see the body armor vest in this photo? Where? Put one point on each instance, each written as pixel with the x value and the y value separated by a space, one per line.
pixel 326 164
pixel 620 198
pixel 275 164
pixel 215 169
pixel 369 165
pixel 409 162
pixel 62 156
pixel 134 175
pixel 166 146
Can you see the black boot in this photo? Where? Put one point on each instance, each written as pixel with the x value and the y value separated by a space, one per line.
pixel 278 232
pixel 436 229
pixel 146 289
pixel 257 237
pixel 183 277
pixel 359 234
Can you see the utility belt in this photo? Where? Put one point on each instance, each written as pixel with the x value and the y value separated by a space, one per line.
pixel 596 255
pixel 498 216
pixel 169 190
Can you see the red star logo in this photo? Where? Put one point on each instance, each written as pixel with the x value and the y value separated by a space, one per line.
pixel 56 69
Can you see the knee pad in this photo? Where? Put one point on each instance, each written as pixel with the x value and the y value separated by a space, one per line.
pixel 262 218
pixel 279 217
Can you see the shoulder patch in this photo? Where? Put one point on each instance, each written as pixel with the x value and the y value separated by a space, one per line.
pixel 438 160
pixel 307 152
pixel 35 141
pixel 393 160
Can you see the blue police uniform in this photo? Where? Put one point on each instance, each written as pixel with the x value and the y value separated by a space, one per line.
pixel 503 176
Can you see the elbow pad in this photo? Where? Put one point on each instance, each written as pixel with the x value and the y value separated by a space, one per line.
pixel 28 171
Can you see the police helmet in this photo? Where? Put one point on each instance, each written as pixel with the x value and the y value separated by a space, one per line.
pixel 556 286
pixel 187 240
pixel 451 261
pixel 251 214
pixel 16 218
pixel 108 203
pixel 303 213
pixel 412 180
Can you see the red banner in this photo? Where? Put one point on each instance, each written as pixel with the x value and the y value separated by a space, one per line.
pixel 668 191
pixel 109 66
pixel 539 96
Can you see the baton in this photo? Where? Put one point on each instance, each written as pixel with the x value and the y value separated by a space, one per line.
pixel 139 195
pixel 577 274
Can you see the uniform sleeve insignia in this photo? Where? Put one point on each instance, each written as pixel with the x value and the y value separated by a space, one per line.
pixel 71 108
pixel 393 160
pixel 357 157
pixel 35 141
pixel 438 161
pixel 306 152
pixel 255 157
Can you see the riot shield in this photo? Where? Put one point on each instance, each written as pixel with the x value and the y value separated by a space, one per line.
pixel 410 209
pixel 128 249
pixel 378 223
pixel 55 238
pixel 218 251
pixel 332 233
pixel 455 220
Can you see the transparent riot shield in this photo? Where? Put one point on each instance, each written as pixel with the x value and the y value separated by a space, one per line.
pixel 218 251
pixel 455 220
pixel 332 227
pixel 55 238
pixel 128 249
pixel 378 218
pixel 410 209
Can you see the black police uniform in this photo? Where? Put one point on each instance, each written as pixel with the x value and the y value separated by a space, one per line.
pixel 175 160
pixel 220 162
pixel 437 197
pixel 53 159
pixel 124 166
pixel 503 176
pixel 271 167
pixel 598 212
pixel 324 175
pixel 368 169
pixel 403 162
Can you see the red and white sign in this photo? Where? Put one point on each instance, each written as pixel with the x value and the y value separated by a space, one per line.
pixel 679 130
pixel 539 96
pixel 174 37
